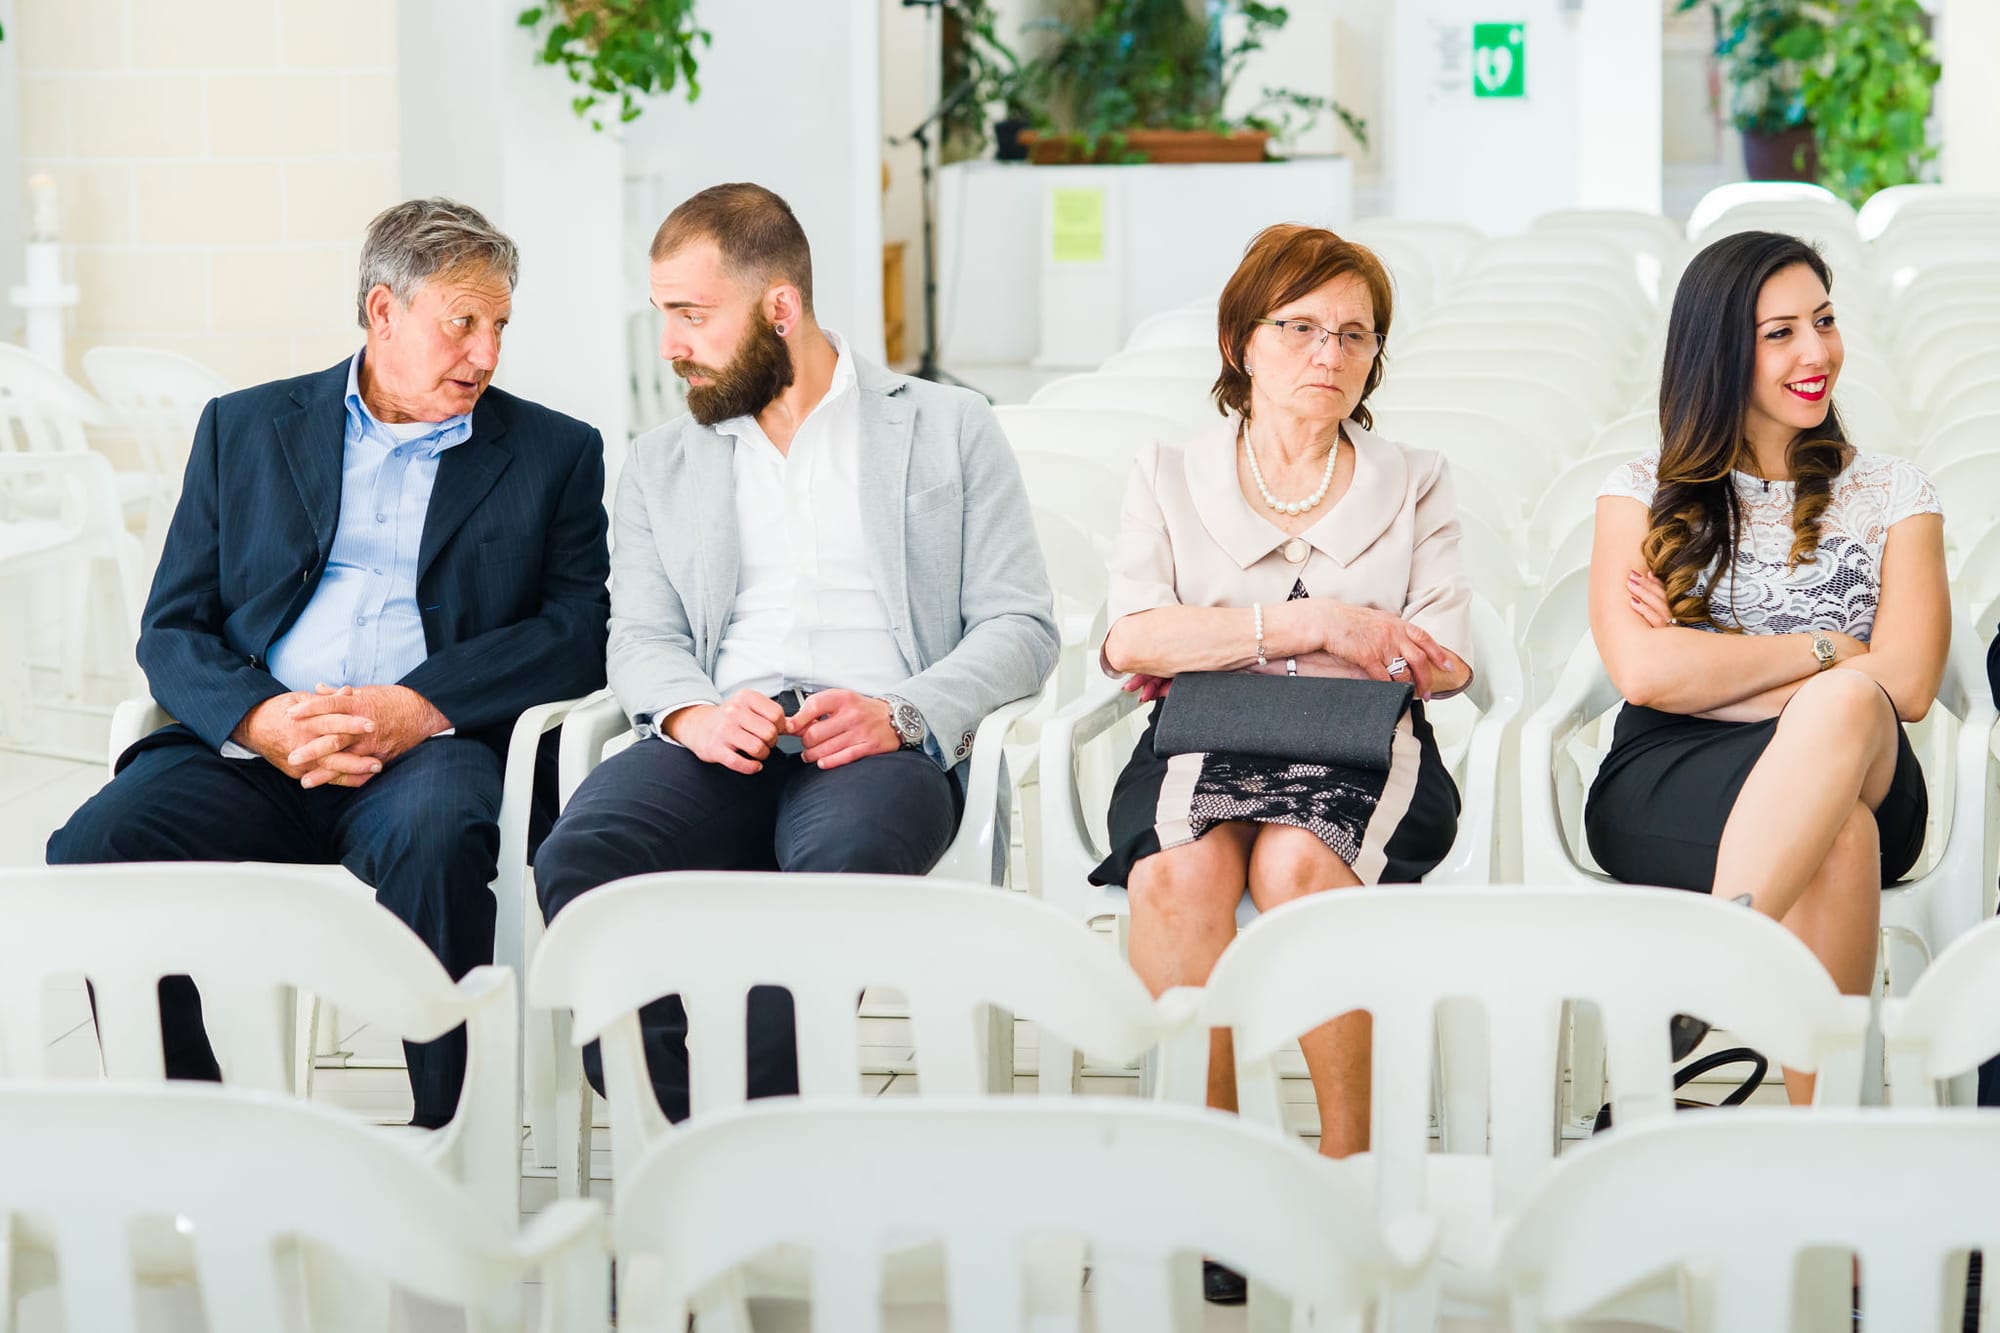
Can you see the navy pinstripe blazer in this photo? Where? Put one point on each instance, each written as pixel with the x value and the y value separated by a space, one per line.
pixel 511 569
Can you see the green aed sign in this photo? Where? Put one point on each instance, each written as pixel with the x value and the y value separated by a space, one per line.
pixel 1499 60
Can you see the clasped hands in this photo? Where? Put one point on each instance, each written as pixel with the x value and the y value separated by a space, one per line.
pixel 1353 641
pixel 339 737
pixel 837 726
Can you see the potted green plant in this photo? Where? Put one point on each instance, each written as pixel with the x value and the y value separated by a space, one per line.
pixel 619 50
pixel 980 71
pixel 1765 46
pixel 1147 80
pixel 1868 95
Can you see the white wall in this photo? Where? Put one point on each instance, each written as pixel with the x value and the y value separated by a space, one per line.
pixel 791 99
pixel 483 123
pixel 1968 35
pixel 217 162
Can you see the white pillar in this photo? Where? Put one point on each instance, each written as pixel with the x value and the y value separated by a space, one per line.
pixel 1620 118
pixel 483 123
pixel 1968 36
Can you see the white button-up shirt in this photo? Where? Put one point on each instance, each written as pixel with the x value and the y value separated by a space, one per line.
pixel 807 611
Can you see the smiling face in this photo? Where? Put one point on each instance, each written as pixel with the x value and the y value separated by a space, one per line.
pixel 718 336
pixel 430 360
pixel 1798 356
pixel 1307 380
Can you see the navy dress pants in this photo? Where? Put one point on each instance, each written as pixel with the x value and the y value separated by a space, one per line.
pixel 654 806
pixel 424 833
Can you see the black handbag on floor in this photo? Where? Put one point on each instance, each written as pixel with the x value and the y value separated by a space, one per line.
pixel 1694 1069
pixel 1310 719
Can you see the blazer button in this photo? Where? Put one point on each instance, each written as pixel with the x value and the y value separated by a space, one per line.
pixel 305 576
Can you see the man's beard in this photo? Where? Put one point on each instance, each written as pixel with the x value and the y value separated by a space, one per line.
pixel 758 373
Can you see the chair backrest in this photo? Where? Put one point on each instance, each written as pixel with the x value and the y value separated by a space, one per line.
pixel 1642 1203
pixel 1949 1023
pixel 159 395
pixel 1521 953
pixel 1087 492
pixel 1629 436
pixel 951 949
pixel 1975 576
pixel 1075 558
pixel 1963 400
pixel 1491 456
pixel 1961 437
pixel 42 409
pixel 1550 634
pixel 658 395
pixel 1970 490
pixel 1887 209
pixel 1194 363
pixel 1616 297
pixel 1189 326
pixel 1476 329
pixel 1569 550
pixel 1872 419
pixel 1602 390
pixel 1736 194
pixel 244 1177
pixel 1553 418
pixel 1147 1189
pixel 1178 406
pixel 1488 559
pixel 1572 497
pixel 1104 436
pixel 1450 245
pixel 251 936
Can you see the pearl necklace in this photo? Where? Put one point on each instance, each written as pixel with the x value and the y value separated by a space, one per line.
pixel 1291 507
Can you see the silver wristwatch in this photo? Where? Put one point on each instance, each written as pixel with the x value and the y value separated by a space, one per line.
pixel 1822 649
pixel 909 723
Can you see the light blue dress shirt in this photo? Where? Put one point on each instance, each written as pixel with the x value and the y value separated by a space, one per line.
pixel 362 626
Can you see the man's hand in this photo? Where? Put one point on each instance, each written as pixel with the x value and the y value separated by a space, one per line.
pixel 272 732
pixel 840 726
pixel 394 720
pixel 737 734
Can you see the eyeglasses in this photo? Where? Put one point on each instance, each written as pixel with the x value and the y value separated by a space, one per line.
pixel 1305 337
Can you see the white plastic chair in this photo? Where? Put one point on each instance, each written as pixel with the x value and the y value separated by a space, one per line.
pixel 1202 363
pixel 1970 490
pixel 1450 245
pixel 159 396
pixel 1109 416
pixel 1964 400
pixel 1635 231
pixel 517 916
pixel 1186 327
pixel 1086 491
pixel 1602 390
pixel 1886 210
pixel 658 395
pixel 242 1188
pixel 1522 954
pixel 1805 198
pixel 1497 465
pixel 1549 635
pixel 1553 421
pixel 254 938
pixel 1937 1036
pixel 1471 330
pixel 1872 419
pixel 1572 497
pixel 1614 298
pixel 1146 1189
pixel 1569 551
pixel 959 952
pixel 1960 438
pixel 1488 558
pixel 1630 436
pixel 1801 1192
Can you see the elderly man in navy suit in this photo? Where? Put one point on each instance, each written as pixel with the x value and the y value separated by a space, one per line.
pixel 372 572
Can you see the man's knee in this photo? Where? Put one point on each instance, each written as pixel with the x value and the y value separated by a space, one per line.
pixel 111 827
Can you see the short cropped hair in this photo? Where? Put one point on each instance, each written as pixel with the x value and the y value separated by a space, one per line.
pixel 417 240
pixel 1283 263
pixel 757 233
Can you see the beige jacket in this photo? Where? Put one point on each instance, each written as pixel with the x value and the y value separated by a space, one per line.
pixel 1190 538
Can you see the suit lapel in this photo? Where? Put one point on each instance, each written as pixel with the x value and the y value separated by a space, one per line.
pixel 887 429
pixel 466 472
pixel 314 439
pixel 712 492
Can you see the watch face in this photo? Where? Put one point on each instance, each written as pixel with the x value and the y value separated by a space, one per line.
pixel 909 724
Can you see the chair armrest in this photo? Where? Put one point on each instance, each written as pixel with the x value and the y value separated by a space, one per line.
pixel 517 808
pixel 570 1243
pixel 978 830
pixel 1067 852
pixel 1582 692
pixel 133 719
pixel 589 727
pixel 1473 851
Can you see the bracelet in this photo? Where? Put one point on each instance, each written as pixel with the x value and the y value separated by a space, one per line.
pixel 1257 609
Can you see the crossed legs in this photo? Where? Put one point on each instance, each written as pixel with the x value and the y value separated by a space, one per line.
pixel 1801 838
pixel 1184 915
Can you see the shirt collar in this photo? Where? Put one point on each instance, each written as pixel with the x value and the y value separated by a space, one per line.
pixel 843 381
pixel 1345 529
pixel 441 436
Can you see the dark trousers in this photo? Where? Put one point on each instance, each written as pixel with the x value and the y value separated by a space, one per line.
pixel 654 806
pixel 424 833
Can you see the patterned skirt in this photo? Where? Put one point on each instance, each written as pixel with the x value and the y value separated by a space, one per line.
pixel 1389 828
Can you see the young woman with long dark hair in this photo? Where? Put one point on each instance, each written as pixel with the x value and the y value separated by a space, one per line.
pixel 1771 602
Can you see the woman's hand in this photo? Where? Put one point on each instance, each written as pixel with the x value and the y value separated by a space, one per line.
pixel 1649 598
pixel 1149 688
pixel 1372 640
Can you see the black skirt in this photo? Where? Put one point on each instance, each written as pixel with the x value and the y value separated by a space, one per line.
pixel 1389 828
pixel 1655 813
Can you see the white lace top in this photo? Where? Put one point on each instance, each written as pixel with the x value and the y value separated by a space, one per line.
pixel 1840 587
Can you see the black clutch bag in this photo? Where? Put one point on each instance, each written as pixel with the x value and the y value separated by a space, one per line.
pixel 1309 719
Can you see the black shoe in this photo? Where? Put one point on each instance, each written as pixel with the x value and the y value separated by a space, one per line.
pixel 1221 1285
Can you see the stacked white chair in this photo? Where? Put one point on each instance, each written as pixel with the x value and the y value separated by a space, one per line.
pixel 158 396
pixel 1188 326
pixel 1147 1190
pixel 1801 1191
pixel 1404 953
pixel 1449 246
pixel 1106 437
pixel 129 1187
pixel 1200 362
pixel 1935 1038
pixel 1186 405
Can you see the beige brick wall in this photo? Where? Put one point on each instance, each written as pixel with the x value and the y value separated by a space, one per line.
pixel 217 162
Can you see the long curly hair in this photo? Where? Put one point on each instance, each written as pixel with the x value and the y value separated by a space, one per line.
pixel 1705 387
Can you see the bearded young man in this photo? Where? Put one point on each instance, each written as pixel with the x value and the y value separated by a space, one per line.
pixel 824 577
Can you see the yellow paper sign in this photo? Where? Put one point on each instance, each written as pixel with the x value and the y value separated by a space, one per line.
pixel 1076 225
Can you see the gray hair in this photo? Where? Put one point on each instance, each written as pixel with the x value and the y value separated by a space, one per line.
pixel 411 242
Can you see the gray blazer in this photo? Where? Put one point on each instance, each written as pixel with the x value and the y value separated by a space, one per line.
pixel 951 540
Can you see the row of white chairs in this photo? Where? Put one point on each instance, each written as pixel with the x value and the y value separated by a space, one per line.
pixel 1407 955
